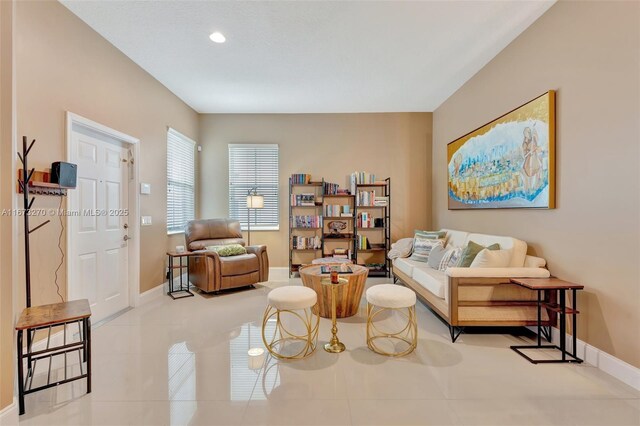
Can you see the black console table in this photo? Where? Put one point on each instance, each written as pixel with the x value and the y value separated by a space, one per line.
pixel 74 315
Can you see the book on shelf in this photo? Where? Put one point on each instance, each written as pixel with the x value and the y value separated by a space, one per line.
pixel 331 188
pixel 306 243
pixel 365 220
pixel 306 221
pixel 300 178
pixel 335 210
pixel 363 243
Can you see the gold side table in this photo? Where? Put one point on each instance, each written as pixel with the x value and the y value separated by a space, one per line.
pixel 335 345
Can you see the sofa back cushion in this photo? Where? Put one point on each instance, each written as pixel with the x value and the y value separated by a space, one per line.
pixel 456 238
pixel 518 248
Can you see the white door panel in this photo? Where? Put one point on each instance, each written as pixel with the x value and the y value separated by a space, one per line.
pixel 100 269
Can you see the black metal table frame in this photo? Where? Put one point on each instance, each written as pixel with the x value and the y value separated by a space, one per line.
pixel 182 291
pixel 82 346
pixel 566 355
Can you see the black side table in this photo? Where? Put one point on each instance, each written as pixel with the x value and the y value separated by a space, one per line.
pixel 552 284
pixel 182 291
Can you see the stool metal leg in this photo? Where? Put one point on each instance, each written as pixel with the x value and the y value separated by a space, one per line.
pixel 408 334
pixel 282 334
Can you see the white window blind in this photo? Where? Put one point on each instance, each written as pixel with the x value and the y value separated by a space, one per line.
pixel 180 181
pixel 254 166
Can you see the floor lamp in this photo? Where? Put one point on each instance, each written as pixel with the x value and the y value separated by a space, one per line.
pixel 254 201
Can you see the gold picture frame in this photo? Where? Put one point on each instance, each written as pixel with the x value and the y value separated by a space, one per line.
pixel 506 163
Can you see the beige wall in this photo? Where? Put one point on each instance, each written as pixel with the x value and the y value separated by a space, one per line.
pixel 6 195
pixel 63 65
pixel 326 145
pixel 589 53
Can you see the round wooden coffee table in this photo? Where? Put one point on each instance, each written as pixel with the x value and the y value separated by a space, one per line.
pixel 348 296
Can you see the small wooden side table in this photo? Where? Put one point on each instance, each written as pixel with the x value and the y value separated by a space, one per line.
pixel 46 317
pixel 552 284
pixel 182 291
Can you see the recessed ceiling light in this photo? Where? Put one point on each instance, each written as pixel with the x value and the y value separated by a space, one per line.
pixel 217 37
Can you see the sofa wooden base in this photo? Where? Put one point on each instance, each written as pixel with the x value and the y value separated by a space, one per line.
pixel 459 314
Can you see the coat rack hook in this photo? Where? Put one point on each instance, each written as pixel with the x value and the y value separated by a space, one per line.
pixel 30 146
pixel 39 226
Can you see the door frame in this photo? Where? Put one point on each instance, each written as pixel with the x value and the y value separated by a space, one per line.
pixel 133 245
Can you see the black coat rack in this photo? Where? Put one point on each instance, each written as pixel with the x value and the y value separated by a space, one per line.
pixel 24 186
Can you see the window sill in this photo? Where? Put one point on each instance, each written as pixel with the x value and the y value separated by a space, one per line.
pixel 174 232
pixel 259 229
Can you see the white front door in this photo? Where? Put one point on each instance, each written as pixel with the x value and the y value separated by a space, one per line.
pixel 99 264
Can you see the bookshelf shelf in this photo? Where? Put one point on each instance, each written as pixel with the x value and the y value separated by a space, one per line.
pixel 374 256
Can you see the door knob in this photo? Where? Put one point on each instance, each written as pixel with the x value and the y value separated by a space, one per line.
pixel 127 238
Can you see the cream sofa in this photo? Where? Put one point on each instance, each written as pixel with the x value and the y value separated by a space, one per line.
pixel 478 296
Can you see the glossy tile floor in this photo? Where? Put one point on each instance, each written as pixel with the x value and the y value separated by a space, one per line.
pixel 185 362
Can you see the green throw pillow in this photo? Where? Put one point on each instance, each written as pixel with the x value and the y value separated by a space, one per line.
pixel 228 250
pixel 471 251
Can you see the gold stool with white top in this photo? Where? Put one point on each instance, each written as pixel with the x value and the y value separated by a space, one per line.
pixel 298 304
pixel 395 298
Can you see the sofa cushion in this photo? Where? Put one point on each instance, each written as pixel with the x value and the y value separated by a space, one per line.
pixel 431 279
pixel 239 265
pixel 491 259
pixel 456 238
pixel 518 248
pixel 406 265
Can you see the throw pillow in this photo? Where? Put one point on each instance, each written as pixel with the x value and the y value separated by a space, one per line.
pixel 492 259
pixel 422 246
pixel 450 259
pixel 471 251
pixel 228 250
pixel 436 255
pixel 401 248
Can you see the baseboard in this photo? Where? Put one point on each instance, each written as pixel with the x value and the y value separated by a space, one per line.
pixel 150 295
pixel 609 364
pixel 9 414
pixel 279 274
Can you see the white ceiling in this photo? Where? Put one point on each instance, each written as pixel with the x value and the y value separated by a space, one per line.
pixel 320 56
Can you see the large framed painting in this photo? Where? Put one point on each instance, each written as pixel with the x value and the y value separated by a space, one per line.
pixel 507 163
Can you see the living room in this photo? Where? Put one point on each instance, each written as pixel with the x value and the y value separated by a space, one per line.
pixel 334 88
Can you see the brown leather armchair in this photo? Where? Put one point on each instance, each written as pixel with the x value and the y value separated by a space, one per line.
pixel 211 272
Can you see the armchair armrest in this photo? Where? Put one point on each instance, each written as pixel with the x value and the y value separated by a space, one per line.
pixel 498 272
pixel 263 258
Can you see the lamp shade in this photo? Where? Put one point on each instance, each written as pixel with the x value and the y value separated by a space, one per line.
pixel 255 201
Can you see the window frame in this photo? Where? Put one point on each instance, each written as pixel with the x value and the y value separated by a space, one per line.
pixel 185 139
pixel 274 198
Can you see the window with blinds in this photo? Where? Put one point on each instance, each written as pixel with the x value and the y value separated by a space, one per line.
pixel 254 166
pixel 180 181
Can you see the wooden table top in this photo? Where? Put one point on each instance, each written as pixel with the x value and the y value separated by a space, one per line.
pixel 315 270
pixel 56 313
pixel 174 253
pixel 546 284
